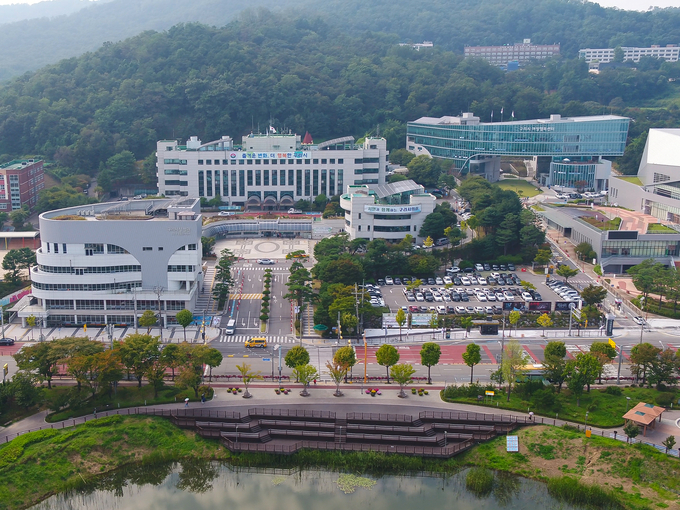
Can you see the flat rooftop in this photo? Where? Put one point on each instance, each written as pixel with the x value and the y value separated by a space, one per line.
pixel 18 164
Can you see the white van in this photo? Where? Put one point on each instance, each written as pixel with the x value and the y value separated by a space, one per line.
pixel 231 327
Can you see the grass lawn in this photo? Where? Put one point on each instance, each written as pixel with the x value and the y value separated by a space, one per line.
pixel 126 396
pixel 604 410
pixel 658 228
pixel 519 186
pixel 630 178
pixel 613 224
pixel 638 476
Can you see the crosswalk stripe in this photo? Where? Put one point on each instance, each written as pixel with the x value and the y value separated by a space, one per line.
pixel 271 340
pixel 245 296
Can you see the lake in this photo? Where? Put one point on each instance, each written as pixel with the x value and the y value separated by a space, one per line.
pixel 200 485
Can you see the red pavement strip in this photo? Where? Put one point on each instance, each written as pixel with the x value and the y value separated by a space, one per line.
pixel 536 360
pixel 451 355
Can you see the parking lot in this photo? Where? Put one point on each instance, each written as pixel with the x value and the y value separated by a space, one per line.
pixel 482 297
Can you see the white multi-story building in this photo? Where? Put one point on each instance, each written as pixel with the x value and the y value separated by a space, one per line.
pixel 669 53
pixel 108 263
pixel 268 172
pixel 390 211
pixel 518 52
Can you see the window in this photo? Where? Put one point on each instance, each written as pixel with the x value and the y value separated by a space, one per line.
pixel 56 247
pixel 241 183
pixel 160 248
pixel 316 161
pixel 209 183
pixel 147 248
pixel 250 177
pixel 200 161
pixel 341 161
pixel 94 248
pixel 208 161
pixel 112 248
pixel 274 178
pixel 241 162
pixel 191 247
pixel 258 177
pixel 233 183
pixel 299 182
pixel 266 177
pixel 307 182
pixel 201 185
pixel 332 161
pixel 291 178
pixel 181 269
pixel 63 246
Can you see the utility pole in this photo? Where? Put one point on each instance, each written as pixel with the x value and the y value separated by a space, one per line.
pixel 159 290
pixel 618 375
pixel 134 300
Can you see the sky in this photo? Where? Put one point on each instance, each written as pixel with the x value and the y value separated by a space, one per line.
pixel 639 5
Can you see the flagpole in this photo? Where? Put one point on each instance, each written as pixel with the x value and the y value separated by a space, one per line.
pixel 501 114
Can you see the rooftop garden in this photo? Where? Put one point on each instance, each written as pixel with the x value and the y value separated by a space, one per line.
pixel 631 178
pixel 605 224
pixel 72 217
pixel 658 228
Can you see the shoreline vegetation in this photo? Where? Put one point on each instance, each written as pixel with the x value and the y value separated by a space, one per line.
pixel 594 472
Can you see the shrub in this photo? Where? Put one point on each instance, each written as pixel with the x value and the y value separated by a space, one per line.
pixel 578 493
pixel 479 481
pixel 665 399
pixel 544 398
pixel 613 390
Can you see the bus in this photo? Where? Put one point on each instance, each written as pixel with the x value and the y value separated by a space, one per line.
pixel 231 327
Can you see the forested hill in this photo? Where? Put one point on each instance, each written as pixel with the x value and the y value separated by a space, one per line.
pixel 451 24
pixel 302 74
pixel 31 44
pixel 454 23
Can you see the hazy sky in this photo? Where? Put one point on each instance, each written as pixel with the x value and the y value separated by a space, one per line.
pixel 640 5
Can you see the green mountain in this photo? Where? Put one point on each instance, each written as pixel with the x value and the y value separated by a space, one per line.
pixel 48 9
pixel 300 73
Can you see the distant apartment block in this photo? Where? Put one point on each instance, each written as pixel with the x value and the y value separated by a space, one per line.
pixel 669 53
pixel 518 52
pixel 417 46
pixel 20 183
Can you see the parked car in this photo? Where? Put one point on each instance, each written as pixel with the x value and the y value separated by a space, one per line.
pixel 6 341
pixel 487 267
pixel 637 320
pixel 479 267
pixel 389 280
pixel 438 281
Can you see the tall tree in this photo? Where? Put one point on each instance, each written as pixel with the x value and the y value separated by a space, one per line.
pixel 223 278
pixel 472 356
pixel 296 356
pixel 603 353
pixel 554 363
pixel 299 286
pixel 401 320
pixel 430 353
pixel 148 320
pixel 184 318
pixel 402 373
pixel 514 361
pixel 346 357
pixel 566 272
pixel 642 356
pixel 137 353
pixel 387 356
pixel 593 294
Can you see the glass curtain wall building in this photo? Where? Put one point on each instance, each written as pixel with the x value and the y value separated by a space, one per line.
pixel 476 146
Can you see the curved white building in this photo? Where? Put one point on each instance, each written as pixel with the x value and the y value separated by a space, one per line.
pixel 108 263
pixel 391 211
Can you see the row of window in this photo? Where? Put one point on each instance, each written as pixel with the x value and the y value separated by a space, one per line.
pixel 90 270
pixel 381 228
pixel 181 269
pixel 281 161
pixel 98 304
pixel 211 183
pixel 86 287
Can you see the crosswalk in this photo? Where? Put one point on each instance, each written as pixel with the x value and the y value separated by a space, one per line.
pixel 271 340
pixel 262 268
pixel 246 296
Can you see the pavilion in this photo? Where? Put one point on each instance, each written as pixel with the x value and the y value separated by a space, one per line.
pixel 644 415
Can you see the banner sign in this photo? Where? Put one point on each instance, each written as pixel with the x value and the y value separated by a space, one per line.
pixel 421 319
pixel 390 320
pixel 270 155
pixel 540 306
pixel 509 306
pixel 563 306
pixel 386 209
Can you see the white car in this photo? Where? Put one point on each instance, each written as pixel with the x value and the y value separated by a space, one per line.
pixel 226 213
pixel 437 296
pixel 389 280
pixel 496 276
pixel 441 310
pixel 439 281
pixel 481 296
pixel 460 290
pixel 265 262
pixel 461 309
pixel 491 296
pixel 465 281
pixel 639 321
pixel 473 280
pixel 527 297
pixel 479 267
pixel 500 296
pixel 479 309
pixel 419 296
pixel 482 280
pixel 453 270
pixel 447 280
pixel 509 296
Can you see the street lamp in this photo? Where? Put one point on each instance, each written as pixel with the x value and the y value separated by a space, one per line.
pixel 277 347
pixel 445 432
pixel 627 402
pixel 237 433
pixel 586 422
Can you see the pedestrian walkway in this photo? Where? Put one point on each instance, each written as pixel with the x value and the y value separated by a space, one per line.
pixel 204 301
pixel 271 340
pixel 256 297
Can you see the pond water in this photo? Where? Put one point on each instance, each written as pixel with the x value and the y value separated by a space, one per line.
pixel 210 485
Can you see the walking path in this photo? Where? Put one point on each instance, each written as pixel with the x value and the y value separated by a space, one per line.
pixel 354 399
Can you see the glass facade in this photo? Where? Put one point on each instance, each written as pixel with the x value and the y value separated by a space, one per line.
pixel 565 137
pixel 568 174
pixel 640 248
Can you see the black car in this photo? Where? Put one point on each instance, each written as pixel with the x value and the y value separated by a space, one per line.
pixel 430 281
pixel 455 296
pixel 487 267
pixel 464 297
pixel 397 281
pixel 406 280
pixel 500 281
pixel 497 309
pixel 457 281
pixel 537 296
pixel 381 281
pixel 469 270
pixel 6 341
pixel 503 267
pixel 495 267
pixel 450 309
pixel 511 267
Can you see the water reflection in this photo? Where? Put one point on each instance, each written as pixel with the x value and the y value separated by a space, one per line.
pixel 200 485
